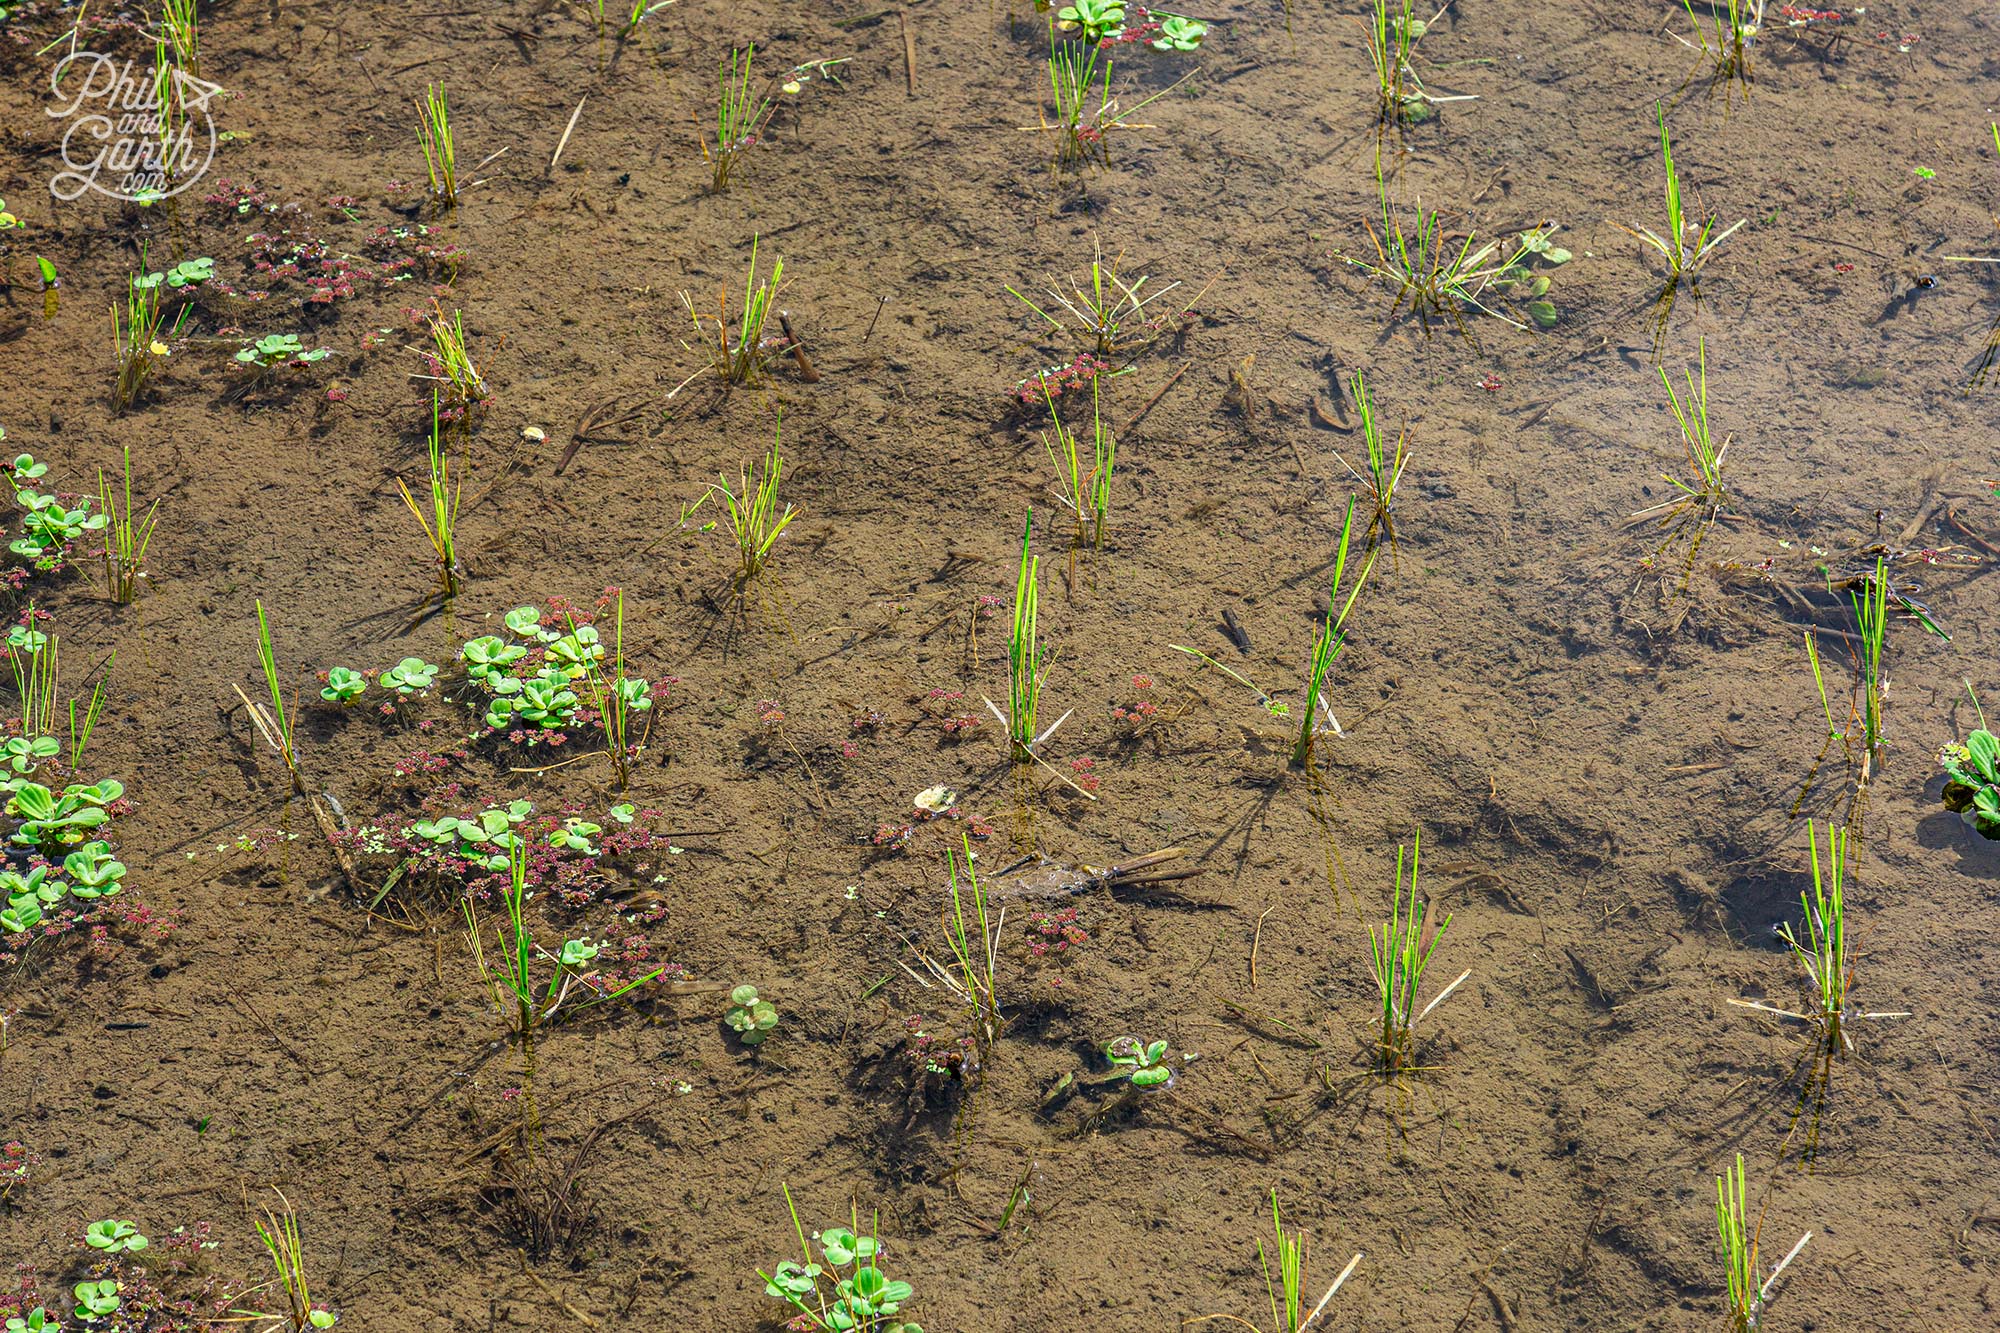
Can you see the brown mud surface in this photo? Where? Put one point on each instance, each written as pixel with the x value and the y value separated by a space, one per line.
pixel 1607 772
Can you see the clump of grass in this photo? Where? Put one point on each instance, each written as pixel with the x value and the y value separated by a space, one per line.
pixel 126 536
pixel 1105 313
pixel 1028 660
pixel 136 343
pixel 1871 619
pixel 1085 493
pixel 273 723
pixel 1824 953
pixel 616 698
pixel 1747 1293
pixel 744 362
pixel 1437 279
pixel 434 136
pixel 449 360
pixel 1402 952
pixel 975 971
pixel 1684 258
pixel 1392 40
pixel 752 506
pixel 279 1234
pixel 1702 492
pixel 1384 465
pixel 441 527
pixel 1327 645
pixel 1085 111
pixel 1287 1290
pixel 739 116
pixel 183 33
pixel 1726 42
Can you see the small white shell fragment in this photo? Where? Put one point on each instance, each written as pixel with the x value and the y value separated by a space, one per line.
pixel 533 434
pixel 936 799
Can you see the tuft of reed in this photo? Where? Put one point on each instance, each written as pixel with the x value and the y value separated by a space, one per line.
pixel 975 972
pixel 1085 111
pixel 739 117
pixel 1823 954
pixel 1103 310
pixel 136 345
pixel 450 362
pixel 1401 953
pixel 1327 644
pixel 275 723
pixel 80 728
pixel 183 33
pixel 1725 44
pixel 1085 493
pixel 1435 278
pixel 126 536
pixel 1684 259
pixel 754 517
pixel 1027 660
pixel 1384 465
pixel 279 1234
pixel 441 527
pixel 746 361
pixel 615 697
pixel 434 135
pixel 1747 1295
pixel 1871 619
pixel 1703 493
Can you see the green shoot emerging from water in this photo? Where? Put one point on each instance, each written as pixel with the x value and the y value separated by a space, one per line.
pixel 1726 42
pixel 1436 278
pixel 1684 258
pixel 739 116
pixel 126 537
pixel 1286 1286
pixel 974 971
pixel 754 517
pixel 1107 314
pixel 441 528
pixel 1747 1296
pixel 1702 491
pixel 744 363
pixel 274 724
pixel 1085 494
pixel 434 136
pixel 1327 643
pixel 1871 619
pixel 1402 951
pixel 1824 954
pixel 1385 465
pixel 1027 660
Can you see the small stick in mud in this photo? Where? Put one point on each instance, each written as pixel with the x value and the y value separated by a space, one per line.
pixel 880 301
pixel 909 50
pixel 797 349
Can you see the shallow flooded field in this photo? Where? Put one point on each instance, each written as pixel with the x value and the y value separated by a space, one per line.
pixel 723 604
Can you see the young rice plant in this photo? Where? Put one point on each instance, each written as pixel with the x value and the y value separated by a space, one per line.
pixel 1327 643
pixel 1402 952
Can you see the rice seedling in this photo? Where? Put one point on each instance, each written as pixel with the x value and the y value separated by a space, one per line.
pixel 525 1002
pixel 1085 111
pixel 616 697
pixel 1703 493
pixel 1086 493
pixel 739 116
pixel 752 506
pixel 449 363
pixel 1385 466
pixel 278 1232
pixel 1106 313
pixel 974 973
pixel 434 135
pixel 1747 1294
pixel 126 536
pixel 275 723
pixel 1871 620
pixel 1392 39
pixel 441 527
pixel 1284 1285
pixel 1436 278
pixel 33 658
pixel 80 728
pixel 1824 954
pixel 1402 952
pixel 1027 660
pixel 746 361
pixel 1327 644
pixel 183 33
pixel 136 343
pixel 1725 44
pixel 1684 258
pixel 1833 732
